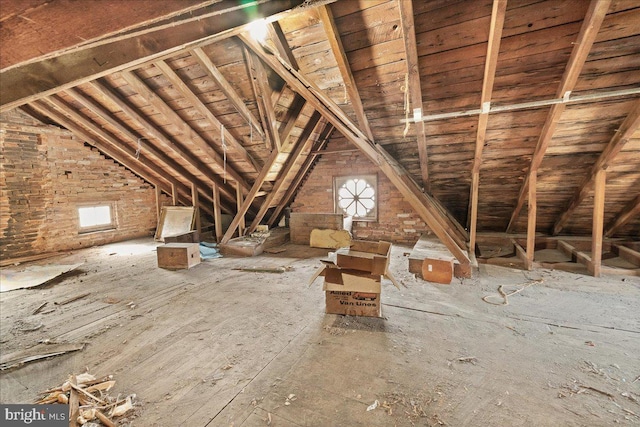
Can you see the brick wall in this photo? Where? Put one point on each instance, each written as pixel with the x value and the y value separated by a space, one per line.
pixel 45 173
pixel 397 221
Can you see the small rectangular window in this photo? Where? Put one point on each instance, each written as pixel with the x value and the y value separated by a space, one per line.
pixel 95 218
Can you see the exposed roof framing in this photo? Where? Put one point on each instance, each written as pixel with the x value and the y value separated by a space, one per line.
pixel 181 94
pixel 498 13
pixel 328 22
pixel 34 80
pixel 615 145
pixel 415 87
pixel 588 32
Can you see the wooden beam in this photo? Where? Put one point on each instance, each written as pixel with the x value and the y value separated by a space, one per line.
pixel 581 48
pixel 626 130
pixel 302 143
pixel 240 152
pixel 415 87
pixel 217 216
pixel 281 44
pixel 628 212
pixel 424 205
pixel 289 121
pixel 228 90
pixel 23 84
pixel 299 177
pixel 498 13
pixel 242 210
pixel 174 195
pixel 135 139
pixel 333 35
pixel 473 211
pixel 214 158
pixel 239 201
pixel 595 265
pixel 195 203
pixel 158 205
pixel 262 91
pixel 531 222
pixel 156 133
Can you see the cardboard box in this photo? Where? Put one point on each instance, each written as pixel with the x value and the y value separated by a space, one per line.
pixel 176 256
pixel 353 303
pixel 337 279
pixel 372 257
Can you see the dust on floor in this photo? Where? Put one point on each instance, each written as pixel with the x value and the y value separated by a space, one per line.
pixel 214 346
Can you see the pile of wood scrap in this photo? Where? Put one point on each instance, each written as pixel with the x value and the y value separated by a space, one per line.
pixel 89 400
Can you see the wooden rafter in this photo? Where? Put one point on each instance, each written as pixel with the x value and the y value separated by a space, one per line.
pixel 217 217
pixel 132 137
pixel 186 91
pixel 616 144
pixel 303 142
pixel 214 158
pixel 424 205
pixel 157 134
pixel 415 88
pixel 242 210
pixel 328 22
pixel 262 91
pixel 588 32
pixel 289 121
pixel 23 84
pixel 595 265
pixel 228 90
pixel 628 212
pixel 299 177
pixel 498 13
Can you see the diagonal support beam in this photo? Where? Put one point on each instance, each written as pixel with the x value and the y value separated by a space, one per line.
pixel 303 142
pixel 299 177
pixel 262 92
pixel 242 210
pixel 333 35
pixel 628 212
pixel 215 159
pixel 228 90
pixel 498 13
pixel 424 205
pixel 588 32
pixel 616 144
pixel 186 91
pixel 415 88
pixel 155 133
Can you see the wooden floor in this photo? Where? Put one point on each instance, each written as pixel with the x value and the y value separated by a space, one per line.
pixel 214 346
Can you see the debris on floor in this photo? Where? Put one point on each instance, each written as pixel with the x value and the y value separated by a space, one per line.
pixel 266 269
pixel 209 251
pixel 89 399
pixel 38 352
pixel 31 276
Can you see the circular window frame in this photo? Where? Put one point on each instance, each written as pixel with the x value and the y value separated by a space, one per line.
pixel 371 180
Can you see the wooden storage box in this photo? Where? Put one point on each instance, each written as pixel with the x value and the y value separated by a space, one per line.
pixel 176 256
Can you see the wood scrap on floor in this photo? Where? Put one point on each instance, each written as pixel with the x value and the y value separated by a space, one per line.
pixel 37 352
pixel 266 269
pixel 89 400
pixel 72 299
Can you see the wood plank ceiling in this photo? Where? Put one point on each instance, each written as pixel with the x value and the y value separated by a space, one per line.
pixel 182 95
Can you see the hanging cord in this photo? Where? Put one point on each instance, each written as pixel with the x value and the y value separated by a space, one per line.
pixel 224 155
pixel 139 148
pixel 405 89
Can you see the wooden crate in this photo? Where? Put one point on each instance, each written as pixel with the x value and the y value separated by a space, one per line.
pixel 176 256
